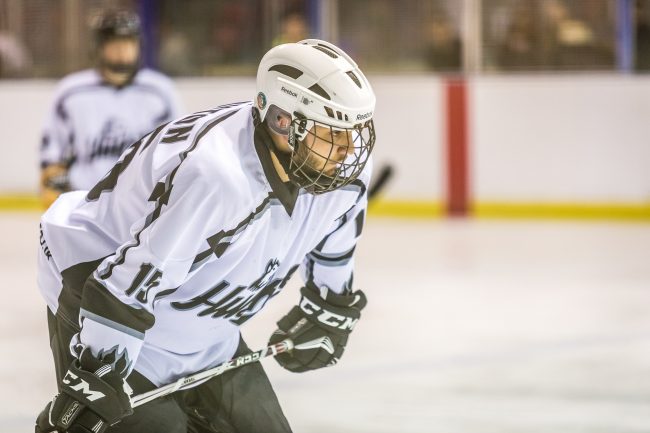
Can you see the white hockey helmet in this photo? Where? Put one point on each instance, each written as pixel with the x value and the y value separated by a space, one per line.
pixel 315 83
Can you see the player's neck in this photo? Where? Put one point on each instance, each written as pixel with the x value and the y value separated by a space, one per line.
pixel 278 167
pixel 116 79
pixel 280 144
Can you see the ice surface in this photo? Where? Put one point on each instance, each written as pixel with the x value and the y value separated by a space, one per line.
pixel 471 327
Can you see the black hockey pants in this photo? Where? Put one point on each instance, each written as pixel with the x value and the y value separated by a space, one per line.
pixel 239 401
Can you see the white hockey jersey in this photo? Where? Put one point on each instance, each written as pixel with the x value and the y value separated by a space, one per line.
pixel 91 122
pixel 191 233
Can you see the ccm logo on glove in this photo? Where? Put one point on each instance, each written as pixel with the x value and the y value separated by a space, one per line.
pixel 327 317
pixel 82 386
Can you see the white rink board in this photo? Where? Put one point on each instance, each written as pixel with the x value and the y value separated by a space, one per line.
pixel 566 138
pixel 544 138
pixel 471 327
pixel 409 119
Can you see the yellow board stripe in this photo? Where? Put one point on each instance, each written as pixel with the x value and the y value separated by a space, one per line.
pixel 20 202
pixel 431 209
pixel 406 209
pixel 638 212
pixel 493 210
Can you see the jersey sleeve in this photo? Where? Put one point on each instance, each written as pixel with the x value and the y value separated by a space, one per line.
pixel 330 265
pixel 118 303
pixel 57 135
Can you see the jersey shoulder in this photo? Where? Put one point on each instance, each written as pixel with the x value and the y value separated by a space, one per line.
pixel 224 150
pixel 77 81
pixel 150 77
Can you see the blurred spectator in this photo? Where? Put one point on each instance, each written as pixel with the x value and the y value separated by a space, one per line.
pixel 572 42
pixel 97 113
pixel 176 55
pixel 227 38
pixel 520 47
pixel 293 28
pixel 15 60
pixel 642 36
pixel 551 35
pixel 443 46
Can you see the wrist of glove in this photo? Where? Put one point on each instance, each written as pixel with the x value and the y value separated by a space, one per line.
pixel 54 182
pixel 93 395
pixel 58 183
pixel 55 177
pixel 326 319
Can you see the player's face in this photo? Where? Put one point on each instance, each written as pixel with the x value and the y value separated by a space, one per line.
pixel 119 58
pixel 324 149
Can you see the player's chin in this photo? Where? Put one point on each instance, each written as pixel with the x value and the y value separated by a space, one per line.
pixel 332 168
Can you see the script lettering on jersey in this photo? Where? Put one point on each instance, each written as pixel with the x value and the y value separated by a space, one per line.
pixel 112 140
pixel 239 303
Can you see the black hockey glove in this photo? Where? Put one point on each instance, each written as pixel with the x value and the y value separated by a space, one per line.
pixel 328 322
pixel 91 398
pixel 59 183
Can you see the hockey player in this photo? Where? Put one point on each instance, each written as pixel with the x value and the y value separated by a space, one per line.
pixel 149 275
pixel 97 113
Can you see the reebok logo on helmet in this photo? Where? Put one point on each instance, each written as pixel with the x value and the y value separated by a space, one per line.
pixel 289 92
pixel 364 116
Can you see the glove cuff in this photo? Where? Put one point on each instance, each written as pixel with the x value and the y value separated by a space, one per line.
pixel 355 299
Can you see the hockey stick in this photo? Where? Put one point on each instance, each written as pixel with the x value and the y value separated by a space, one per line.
pixel 196 378
pixel 383 176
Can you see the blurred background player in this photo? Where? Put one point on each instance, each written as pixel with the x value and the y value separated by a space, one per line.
pixel 99 112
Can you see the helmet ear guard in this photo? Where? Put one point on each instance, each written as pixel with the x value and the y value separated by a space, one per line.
pixel 274 117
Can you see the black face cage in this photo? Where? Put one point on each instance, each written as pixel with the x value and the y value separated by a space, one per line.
pixel 328 161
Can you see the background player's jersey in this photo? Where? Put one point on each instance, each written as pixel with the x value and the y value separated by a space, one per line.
pixel 193 232
pixel 91 122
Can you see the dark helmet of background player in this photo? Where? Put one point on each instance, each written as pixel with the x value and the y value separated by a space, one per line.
pixel 112 25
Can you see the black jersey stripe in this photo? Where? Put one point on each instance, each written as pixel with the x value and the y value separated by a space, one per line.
pixel 325 259
pixel 219 242
pixel 361 217
pixel 161 200
pixel 111 324
pixel 108 182
pixel 99 301
pixel 309 268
